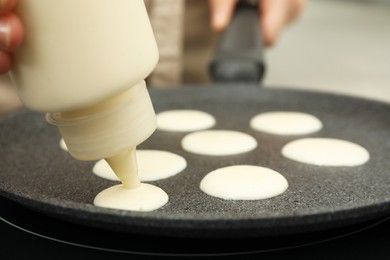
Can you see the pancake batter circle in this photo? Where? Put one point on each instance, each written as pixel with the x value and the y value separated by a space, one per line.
pixel 152 165
pixel 184 120
pixel 285 123
pixel 326 152
pixel 243 182
pixel 218 142
pixel 145 197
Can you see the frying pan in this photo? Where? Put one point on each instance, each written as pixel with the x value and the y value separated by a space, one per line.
pixel 37 174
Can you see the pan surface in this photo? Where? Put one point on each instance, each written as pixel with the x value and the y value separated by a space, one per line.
pixel 37 173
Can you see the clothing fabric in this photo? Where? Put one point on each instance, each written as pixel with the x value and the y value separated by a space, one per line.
pixel 185 40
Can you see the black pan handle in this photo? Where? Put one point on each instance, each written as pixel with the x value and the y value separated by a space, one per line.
pixel 238 57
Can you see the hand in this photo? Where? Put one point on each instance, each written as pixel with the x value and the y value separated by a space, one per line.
pixel 11 33
pixel 275 15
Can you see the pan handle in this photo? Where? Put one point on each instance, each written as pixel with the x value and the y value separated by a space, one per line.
pixel 238 57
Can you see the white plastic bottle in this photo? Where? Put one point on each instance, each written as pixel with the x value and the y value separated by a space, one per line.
pixel 84 62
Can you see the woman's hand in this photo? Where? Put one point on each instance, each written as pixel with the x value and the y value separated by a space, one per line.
pixel 11 33
pixel 275 15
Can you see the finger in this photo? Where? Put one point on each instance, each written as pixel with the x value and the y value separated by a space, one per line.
pixel 273 19
pixel 5 62
pixel 276 15
pixel 221 13
pixel 6 6
pixel 11 32
pixel 296 8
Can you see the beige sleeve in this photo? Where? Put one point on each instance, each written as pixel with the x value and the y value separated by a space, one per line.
pixel 185 40
pixel 166 18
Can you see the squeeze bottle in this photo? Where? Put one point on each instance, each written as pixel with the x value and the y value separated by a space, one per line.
pixel 84 63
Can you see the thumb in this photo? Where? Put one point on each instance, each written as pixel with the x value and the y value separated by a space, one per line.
pixel 221 13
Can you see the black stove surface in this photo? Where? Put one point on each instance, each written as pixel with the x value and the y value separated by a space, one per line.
pixel 27 234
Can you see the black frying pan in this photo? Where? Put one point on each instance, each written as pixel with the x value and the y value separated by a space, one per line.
pixel 36 173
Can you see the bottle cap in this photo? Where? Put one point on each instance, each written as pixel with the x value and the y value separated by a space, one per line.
pixel 112 126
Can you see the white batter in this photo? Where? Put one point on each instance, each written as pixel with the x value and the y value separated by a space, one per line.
pixel 152 165
pixel 63 145
pixel 144 197
pixel 218 142
pixel 184 120
pixel 244 182
pixel 285 123
pixel 131 194
pixel 326 152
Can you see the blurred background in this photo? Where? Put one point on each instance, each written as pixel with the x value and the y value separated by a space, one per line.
pixel 339 46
